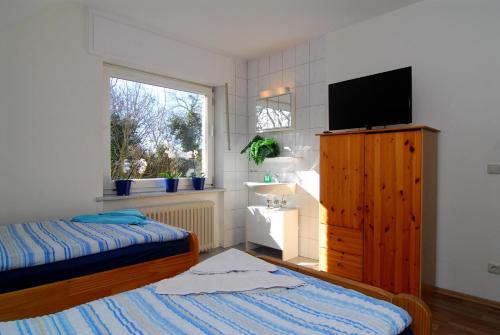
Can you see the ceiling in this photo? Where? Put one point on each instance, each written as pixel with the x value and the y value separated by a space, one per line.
pixel 245 28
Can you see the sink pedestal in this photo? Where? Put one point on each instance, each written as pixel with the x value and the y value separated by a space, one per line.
pixel 276 228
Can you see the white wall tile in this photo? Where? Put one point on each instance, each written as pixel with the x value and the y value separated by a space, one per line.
pixel 289 58
pixel 317 71
pixel 289 77
pixel 302 137
pixel 303 250
pixel 314 142
pixel 317 94
pixel 230 237
pixel 231 86
pixel 239 234
pixel 304 71
pixel 241 124
pixel 229 200
pixel 239 220
pixel 232 118
pixel 317 48
pixel 302 118
pixel 229 162
pixel 241 87
pixel 302 53
pixel 302 75
pixel 276 79
pixel 288 139
pixel 232 100
pixel 310 227
pixel 253 68
pixel 263 83
pixel 302 96
pixel 241 177
pixel 241 160
pixel 239 141
pixel 241 68
pixel 264 66
pixel 230 181
pixel 241 106
pixel 276 62
pixel 228 219
pixel 252 87
pixel 318 116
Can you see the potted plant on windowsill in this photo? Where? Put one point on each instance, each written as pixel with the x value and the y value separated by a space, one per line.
pixel 171 180
pixel 124 184
pixel 198 179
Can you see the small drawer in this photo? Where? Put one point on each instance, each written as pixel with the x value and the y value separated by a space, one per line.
pixel 341 239
pixel 342 264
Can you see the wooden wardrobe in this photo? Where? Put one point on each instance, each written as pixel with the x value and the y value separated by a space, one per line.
pixel 378 206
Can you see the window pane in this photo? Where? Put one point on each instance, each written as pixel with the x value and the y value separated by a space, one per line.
pixel 154 130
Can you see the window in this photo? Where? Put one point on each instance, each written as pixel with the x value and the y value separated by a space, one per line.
pixel 157 125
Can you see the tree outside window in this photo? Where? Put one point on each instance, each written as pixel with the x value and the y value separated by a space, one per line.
pixel 154 129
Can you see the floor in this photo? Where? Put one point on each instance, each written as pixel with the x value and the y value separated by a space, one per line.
pixel 451 316
pixel 456 316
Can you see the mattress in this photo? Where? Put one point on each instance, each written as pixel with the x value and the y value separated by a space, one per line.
pixel 315 308
pixel 48 273
pixel 35 243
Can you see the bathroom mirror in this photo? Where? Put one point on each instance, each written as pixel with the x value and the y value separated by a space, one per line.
pixel 274 113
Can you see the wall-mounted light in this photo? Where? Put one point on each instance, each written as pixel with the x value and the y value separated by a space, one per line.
pixel 274 92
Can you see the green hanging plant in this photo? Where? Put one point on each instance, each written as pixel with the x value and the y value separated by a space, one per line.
pixel 261 149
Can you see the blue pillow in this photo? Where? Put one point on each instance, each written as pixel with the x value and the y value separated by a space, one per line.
pixel 125 212
pixel 105 219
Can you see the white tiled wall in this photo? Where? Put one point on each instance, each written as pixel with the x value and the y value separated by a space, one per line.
pixel 302 68
pixel 235 164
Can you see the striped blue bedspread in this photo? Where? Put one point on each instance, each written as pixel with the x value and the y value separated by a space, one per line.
pixel 35 243
pixel 315 308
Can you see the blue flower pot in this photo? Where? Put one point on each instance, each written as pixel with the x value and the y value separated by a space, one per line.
pixel 198 183
pixel 123 186
pixel 171 185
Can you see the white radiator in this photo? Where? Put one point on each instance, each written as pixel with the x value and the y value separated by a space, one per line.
pixel 197 217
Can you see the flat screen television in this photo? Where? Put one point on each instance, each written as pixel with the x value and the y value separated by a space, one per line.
pixel 378 100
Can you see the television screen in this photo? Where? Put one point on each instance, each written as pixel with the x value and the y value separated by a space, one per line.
pixel 377 100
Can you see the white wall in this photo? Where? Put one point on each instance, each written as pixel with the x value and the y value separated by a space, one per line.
pixel 50 118
pixel 52 99
pixel 453 46
pixel 302 68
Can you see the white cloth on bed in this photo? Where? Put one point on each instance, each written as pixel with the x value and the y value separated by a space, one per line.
pixel 232 260
pixel 230 271
pixel 188 283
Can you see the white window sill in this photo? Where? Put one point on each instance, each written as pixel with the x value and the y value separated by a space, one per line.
pixel 156 194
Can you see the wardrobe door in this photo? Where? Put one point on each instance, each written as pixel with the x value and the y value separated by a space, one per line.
pixel 341 182
pixel 392 233
pixel 341 205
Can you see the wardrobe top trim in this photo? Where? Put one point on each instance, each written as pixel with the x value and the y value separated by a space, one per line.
pixel 381 130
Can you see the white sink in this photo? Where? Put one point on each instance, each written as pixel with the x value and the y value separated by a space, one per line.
pixel 271 188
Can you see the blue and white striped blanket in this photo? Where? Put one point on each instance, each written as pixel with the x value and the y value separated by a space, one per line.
pixel 315 308
pixel 35 243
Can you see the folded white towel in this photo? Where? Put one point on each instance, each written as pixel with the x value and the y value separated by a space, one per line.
pixel 232 260
pixel 189 283
pixel 230 271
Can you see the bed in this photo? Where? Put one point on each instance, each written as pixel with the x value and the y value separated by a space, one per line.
pixel 325 305
pixel 69 263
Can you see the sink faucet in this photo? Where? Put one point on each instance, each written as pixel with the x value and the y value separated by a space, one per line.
pixel 276 177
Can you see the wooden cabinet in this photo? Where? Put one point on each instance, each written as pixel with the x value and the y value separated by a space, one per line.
pixel 377 196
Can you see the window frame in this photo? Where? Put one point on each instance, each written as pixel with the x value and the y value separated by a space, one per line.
pixel 156 184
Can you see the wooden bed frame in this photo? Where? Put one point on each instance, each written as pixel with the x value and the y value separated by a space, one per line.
pixel 417 308
pixel 57 296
